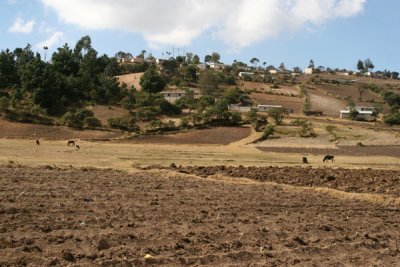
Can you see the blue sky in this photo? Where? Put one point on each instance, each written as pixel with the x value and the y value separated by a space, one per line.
pixel 334 33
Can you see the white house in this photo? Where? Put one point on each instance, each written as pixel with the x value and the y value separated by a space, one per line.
pixel 245 73
pixel 217 66
pixel 266 108
pixel 273 71
pixel 236 107
pixel 364 112
pixel 173 96
pixel 308 71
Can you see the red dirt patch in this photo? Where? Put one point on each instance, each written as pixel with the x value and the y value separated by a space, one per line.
pixel 217 136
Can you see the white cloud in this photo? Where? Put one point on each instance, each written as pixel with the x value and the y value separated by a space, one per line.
pixel 53 39
pixel 21 26
pixel 239 23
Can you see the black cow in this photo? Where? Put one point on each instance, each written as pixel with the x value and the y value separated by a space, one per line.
pixel 37 142
pixel 305 161
pixel 328 157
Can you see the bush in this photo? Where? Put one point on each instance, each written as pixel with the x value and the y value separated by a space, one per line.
pixel 26 116
pixel 125 123
pixel 92 122
pixel 268 131
pixel 70 119
pixel 77 119
pixel 147 113
pixel 392 118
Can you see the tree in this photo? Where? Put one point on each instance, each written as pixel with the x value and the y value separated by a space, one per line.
pixel 152 81
pixel 82 46
pixel 8 71
pixel 282 66
pixel 208 83
pixel 268 131
pixel 331 130
pixel 254 61
pixel 215 57
pixel 207 58
pixel 368 64
pixel 64 61
pixel 311 64
pixel 306 128
pixel 196 59
pixel 277 114
pixel 360 65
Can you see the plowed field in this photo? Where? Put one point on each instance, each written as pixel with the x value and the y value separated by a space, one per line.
pixel 90 217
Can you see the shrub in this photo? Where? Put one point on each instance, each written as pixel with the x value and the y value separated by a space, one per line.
pixel 125 123
pixel 92 122
pixel 70 119
pixel 392 118
pixel 268 131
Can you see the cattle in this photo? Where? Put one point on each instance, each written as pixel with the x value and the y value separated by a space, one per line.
pixel 77 146
pixel 71 143
pixel 305 160
pixel 328 157
pixel 37 142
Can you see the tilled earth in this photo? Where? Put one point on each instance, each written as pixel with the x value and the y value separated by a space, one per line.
pixel 51 216
pixel 348 180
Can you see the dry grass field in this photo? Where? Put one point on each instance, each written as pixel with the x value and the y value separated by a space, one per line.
pixel 130 80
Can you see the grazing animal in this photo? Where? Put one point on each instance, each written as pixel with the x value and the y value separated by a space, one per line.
pixel 37 142
pixel 71 143
pixel 77 146
pixel 328 157
pixel 305 160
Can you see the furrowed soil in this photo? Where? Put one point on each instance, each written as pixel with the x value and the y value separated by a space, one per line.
pixel 174 217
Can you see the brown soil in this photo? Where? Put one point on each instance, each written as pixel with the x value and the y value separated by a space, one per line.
pixel 103 113
pixel 328 104
pixel 94 217
pixel 36 131
pixel 213 136
pixel 347 180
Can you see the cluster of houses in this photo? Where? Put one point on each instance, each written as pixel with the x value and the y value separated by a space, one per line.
pixel 364 112
pixel 172 95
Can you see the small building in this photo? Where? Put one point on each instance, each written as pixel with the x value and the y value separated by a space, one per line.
pixel 173 96
pixel 308 71
pixel 266 108
pixel 202 66
pixel 273 71
pixel 363 112
pixel 237 107
pixel 216 66
pixel 245 73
